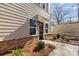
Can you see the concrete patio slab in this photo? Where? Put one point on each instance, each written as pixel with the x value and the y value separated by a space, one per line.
pixel 63 49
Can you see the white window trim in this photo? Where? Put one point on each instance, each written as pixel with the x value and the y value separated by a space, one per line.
pixel 31 27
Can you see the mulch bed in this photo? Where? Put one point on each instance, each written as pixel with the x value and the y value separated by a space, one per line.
pixel 3 53
pixel 45 51
pixel 32 52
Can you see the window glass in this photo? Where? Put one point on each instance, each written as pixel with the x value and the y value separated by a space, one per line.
pixel 47 7
pixel 32 23
pixel 32 27
pixel 46 25
pixel 44 6
pixel 46 28
pixel 32 31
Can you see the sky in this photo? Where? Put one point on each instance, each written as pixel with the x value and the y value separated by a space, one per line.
pixel 67 5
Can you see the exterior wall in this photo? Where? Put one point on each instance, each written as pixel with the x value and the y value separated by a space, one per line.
pixel 68 29
pixel 13 19
pixel 47 9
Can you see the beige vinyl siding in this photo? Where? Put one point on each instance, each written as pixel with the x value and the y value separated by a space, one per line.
pixel 13 19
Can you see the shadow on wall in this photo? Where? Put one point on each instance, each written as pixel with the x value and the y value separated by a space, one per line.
pixel 19 27
pixel 20 32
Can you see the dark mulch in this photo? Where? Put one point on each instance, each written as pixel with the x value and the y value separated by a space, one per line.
pixel 43 52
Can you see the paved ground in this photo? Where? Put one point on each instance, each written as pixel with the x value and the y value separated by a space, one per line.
pixel 63 49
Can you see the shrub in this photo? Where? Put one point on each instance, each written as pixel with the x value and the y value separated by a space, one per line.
pixel 72 38
pixel 62 36
pixel 41 44
pixel 67 40
pixel 54 38
pixel 16 52
pixel 58 36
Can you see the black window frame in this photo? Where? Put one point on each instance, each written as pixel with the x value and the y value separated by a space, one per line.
pixel 46 28
pixel 43 6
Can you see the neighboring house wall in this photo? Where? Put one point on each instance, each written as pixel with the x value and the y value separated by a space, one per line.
pixel 68 29
pixel 13 19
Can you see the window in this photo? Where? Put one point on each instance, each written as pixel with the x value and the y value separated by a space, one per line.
pixel 47 7
pixel 38 4
pixel 32 23
pixel 32 27
pixel 32 31
pixel 46 28
pixel 46 25
pixel 43 6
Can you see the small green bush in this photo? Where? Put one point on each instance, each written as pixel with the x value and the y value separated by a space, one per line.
pixel 54 38
pixel 58 36
pixel 62 36
pixel 67 40
pixel 41 44
pixel 16 52
pixel 72 38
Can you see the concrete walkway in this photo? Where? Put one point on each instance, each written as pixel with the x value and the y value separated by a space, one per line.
pixel 63 49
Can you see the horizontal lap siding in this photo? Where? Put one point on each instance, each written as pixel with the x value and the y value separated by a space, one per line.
pixel 13 19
